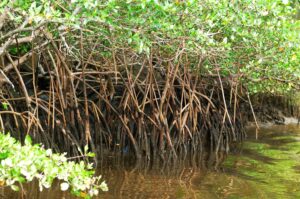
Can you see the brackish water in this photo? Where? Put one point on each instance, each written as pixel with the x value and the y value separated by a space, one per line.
pixel 268 167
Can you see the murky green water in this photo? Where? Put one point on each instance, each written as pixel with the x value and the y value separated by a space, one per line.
pixel 265 168
pixel 268 167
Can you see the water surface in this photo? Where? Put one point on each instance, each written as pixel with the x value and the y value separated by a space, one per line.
pixel 265 168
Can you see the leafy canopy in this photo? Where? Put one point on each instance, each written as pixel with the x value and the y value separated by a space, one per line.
pixel 256 41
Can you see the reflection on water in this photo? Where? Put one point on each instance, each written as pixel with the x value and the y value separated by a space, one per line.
pixel 265 168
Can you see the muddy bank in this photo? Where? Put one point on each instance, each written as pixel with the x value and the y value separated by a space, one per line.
pixel 272 109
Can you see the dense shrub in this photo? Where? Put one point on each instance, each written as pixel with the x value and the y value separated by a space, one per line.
pixel 257 42
pixel 19 164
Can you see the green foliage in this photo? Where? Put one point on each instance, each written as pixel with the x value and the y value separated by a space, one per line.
pixel 4 105
pixel 258 41
pixel 19 164
pixel 22 49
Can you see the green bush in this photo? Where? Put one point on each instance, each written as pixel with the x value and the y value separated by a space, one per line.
pixel 19 164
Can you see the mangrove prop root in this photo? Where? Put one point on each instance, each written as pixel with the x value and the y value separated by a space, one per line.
pixel 142 110
pixel 147 105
